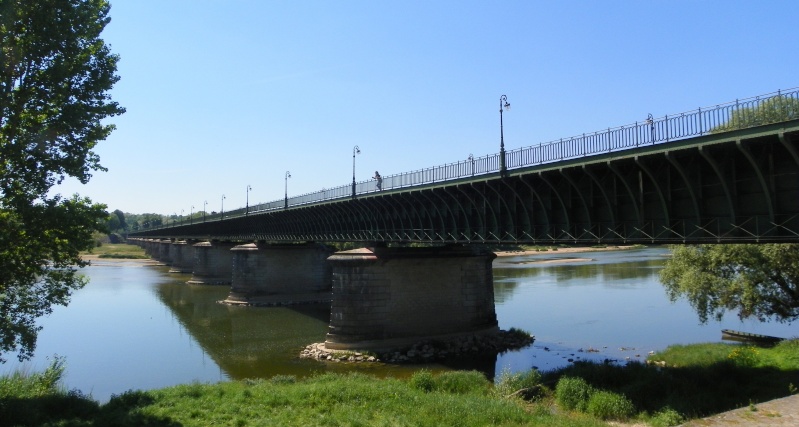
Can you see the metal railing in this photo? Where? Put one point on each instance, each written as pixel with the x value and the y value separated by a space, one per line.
pixel 739 114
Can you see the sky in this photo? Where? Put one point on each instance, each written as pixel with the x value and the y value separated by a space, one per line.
pixel 222 95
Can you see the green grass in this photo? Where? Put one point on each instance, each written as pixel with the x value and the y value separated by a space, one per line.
pixel 454 398
pixel 697 380
pixel 118 250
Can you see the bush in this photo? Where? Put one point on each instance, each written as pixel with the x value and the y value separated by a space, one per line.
pixel 508 384
pixel 666 417
pixel 573 393
pixel 422 380
pixel 607 405
pixel 746 356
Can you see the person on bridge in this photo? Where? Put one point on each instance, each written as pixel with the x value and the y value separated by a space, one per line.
pixel 379 180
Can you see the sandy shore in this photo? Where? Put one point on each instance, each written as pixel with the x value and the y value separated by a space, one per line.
pixel 95 259
pixel 561 250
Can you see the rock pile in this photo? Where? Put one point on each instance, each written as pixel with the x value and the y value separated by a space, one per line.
pixel 427 351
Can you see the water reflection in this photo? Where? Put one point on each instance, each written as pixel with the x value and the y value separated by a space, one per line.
pixel 246 341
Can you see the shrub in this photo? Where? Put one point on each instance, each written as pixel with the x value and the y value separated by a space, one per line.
pixel 746 356
pixel 573 393
pixel 509 384
pixel 666 417
pixel 607 405
pixel 422 380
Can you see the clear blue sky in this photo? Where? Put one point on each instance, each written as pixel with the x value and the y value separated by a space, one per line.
pixel 225 94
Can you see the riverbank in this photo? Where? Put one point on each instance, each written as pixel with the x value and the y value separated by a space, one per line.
pixel 549 250
pixel 741 385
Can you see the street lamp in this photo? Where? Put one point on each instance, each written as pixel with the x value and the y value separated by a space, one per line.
pixel 205 209
pixel 355 150
pixel 181 216
pixel 223 206
pixel 286 195
pixel 247 208
pixel 503 104
pixel 191 215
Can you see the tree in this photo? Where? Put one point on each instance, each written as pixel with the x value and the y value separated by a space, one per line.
pixel 758 280
pixel 55 75
pixel 772 110
pixel 123 225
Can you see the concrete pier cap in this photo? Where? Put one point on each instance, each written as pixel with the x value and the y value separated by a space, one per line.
pixel 391 297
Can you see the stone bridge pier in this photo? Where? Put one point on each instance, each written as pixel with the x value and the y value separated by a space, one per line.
pixel 213 263
pixel 181 252
pixel 386 298
pixel 164 251
pixel 280 274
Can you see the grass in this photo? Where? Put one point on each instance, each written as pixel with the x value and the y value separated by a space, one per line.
pixel 696 381
pixel 454 398
pixel 119 251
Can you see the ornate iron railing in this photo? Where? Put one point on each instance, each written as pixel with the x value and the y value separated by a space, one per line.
pixel 739 114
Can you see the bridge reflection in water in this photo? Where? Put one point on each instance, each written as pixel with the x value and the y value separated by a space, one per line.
pixel 264 342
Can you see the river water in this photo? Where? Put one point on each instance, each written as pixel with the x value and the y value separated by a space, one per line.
pixel 137 326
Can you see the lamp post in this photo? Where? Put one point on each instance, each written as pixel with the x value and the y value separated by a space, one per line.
pixel 247 207
pixel 651 122
pixel 286 194
pixel 223 206
pixel 181 216
pixel 503 104
pixel 191 215
pixel 205 209
pixel 355 150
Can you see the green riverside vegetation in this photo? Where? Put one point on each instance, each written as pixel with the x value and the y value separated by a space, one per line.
pixel 679 383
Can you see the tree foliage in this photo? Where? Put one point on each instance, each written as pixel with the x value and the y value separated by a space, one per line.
pixel 758 280
pixel 55 75
pixel 773 110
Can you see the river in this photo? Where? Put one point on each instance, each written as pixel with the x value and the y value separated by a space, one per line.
pixel 136 326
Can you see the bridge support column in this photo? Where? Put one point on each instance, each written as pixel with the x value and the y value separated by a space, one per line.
pixel 213 263
pixel 164 251
pixel 182 254
pixel 386 298
pixel 279 274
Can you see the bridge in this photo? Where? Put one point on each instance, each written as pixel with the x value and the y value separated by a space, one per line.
pixel 720 174
pixel 724 174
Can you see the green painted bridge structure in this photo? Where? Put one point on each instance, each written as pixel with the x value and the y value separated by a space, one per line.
pixel 724 174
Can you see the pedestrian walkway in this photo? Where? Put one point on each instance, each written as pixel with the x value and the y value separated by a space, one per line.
pixel 779 412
